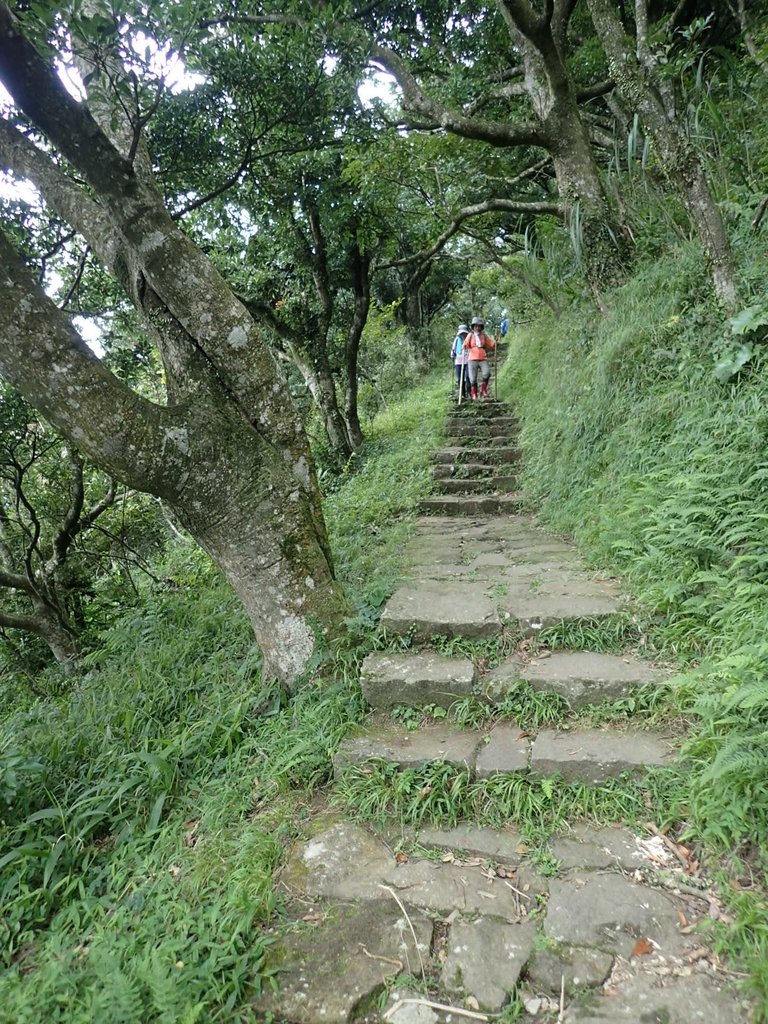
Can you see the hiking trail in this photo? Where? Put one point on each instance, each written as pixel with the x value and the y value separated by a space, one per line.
pixel 598 928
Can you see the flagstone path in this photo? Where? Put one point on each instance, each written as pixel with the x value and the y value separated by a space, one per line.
pixel 465 920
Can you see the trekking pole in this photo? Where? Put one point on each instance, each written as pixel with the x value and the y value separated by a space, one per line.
pixel 461 382
pixel 496 368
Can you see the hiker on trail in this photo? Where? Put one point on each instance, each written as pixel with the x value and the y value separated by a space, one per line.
pixel 460 358
pixel 477 345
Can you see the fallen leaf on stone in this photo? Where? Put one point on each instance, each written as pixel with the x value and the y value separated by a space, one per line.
pixel 523 735
pixel 401 858
pixel 448 858
pixel 471 1003
pixel 473 862
pixel 424 790
pixel 312 918
pixel 643 947
pixel 521 848
pixel 544 654
pixel 486 895
pixel 501 872
pixel 700 953
pixel 682 920
pixel 714 910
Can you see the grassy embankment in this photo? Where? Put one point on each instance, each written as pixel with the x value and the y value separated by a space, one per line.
pixel 149 807
pixel 658 470
pixel 143 812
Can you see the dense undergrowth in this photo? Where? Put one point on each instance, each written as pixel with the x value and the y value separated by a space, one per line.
pixel 143 811
pixel 636 447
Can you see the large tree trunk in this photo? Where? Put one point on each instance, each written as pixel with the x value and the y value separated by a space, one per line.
pixel 596 233
pixel 229 452
pixel 679 160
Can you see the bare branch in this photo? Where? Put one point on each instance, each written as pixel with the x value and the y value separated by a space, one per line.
pixel 437 115
pixel 227 184
pixel 641 24
pixel 64 534
pixel 19 155
pixel 35 86
pixel 591 92
pixel 468 212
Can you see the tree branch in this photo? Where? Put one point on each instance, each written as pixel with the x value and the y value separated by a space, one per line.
pixel 44 357
pixel 20 156
pixel 437 115
pixel 36 87
pixel 489 206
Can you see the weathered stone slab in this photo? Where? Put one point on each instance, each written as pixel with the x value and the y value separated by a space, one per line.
pixel 505 847
pixel 453 453
pixel 463 505
pixel 444 888
pixel 505 751
pixel 609 912
pixel 410 748
pixel 459 610
pixel 573 967
pixel 537 612
pixel 592 848
pixel 346 862
pixel 407 1006
pixel 648 999
pixel 485 959
pixel 582 677
pixel 415 679
pixel 592 755
pixel 500 424
pixel 342 862
pixel 478 485
pixel 325 970
pixel 501 679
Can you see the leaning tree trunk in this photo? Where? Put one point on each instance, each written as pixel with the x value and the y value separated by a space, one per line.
pixel 229 452
pixel 679 161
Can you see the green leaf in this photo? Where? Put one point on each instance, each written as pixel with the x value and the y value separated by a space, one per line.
pixel 730 365
pixel 749 319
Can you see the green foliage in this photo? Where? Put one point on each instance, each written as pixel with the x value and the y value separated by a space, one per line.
pixel 370 510
pixel 143 812
pixel 438 794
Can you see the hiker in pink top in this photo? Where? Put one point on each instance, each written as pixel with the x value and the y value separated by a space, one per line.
pixel 478 344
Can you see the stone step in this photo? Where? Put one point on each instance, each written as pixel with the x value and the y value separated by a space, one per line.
pixel 482 485
pixel 591 756
pixel 500 425
pixel 462 505
pixel 580 677
pixel 472 441
pixel 415 679
pixel 489 407
pixel 359 915
pixel 473 609
pixel 460 453
pixel 438 609
pixel 463 470
pixel 587 756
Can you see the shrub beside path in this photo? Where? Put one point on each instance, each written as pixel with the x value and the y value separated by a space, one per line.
pixel 597 924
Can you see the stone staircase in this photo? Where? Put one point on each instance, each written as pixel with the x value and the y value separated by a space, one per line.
pixel 466 913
